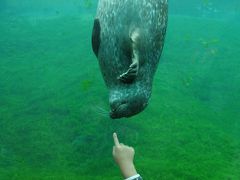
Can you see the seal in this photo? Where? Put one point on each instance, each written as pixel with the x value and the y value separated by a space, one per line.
pixel 127 39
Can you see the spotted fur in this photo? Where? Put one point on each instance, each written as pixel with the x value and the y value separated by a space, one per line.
pixel 117 20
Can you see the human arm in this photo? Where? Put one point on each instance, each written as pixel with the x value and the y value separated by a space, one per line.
pixel 124 156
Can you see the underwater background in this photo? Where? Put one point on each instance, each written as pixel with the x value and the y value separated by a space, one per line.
pixel 54 122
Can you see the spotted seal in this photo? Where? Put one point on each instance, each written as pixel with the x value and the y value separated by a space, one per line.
pixel 127 39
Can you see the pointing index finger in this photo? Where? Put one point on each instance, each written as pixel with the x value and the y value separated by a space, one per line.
pixel 115 138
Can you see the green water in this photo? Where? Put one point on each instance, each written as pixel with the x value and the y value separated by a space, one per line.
pixel 53 102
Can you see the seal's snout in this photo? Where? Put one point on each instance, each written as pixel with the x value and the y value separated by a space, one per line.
pixel 126 107
pixel 118 109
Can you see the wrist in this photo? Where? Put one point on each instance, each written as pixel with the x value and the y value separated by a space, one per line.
pixel 128 170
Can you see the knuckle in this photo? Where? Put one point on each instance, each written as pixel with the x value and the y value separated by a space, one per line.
pixel 132 149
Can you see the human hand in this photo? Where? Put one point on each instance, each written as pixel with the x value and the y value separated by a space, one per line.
pixel 123 156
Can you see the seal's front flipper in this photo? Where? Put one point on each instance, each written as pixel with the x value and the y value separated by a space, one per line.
pixel 132 72
pixel 96 36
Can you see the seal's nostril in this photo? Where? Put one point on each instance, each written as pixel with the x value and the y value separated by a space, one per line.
pixel 124 102
pixel 113 115
pixel 116 104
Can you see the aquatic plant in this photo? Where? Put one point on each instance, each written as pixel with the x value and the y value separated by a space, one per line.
pixel 88 3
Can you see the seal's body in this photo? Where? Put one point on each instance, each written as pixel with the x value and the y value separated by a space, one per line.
pixel 127 38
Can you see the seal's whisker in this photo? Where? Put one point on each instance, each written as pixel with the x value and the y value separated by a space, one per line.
pixel 102 114
pixel 101 111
